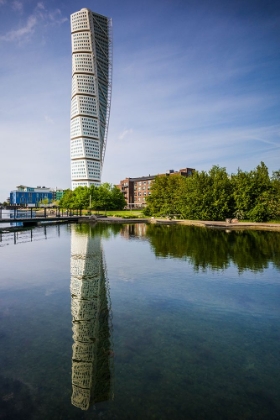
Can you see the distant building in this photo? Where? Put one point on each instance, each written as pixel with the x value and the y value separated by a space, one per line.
pixel 136 190
pixel 57 194
pixel 23 195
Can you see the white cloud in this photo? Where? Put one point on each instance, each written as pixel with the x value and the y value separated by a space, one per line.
pixel 124 133
pixel 53 17
pixel 50 17
pixel 18 34
pixel 40 5
pixel 56 18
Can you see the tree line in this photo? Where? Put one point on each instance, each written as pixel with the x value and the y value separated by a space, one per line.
pixel 216 195
pixel 103 197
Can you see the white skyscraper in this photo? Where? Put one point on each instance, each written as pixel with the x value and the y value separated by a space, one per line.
pixel 91 38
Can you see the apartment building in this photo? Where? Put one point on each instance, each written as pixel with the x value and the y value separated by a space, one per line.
pixel 136 190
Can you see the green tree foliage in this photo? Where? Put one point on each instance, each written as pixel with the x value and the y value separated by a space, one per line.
pixel 215 195
pixel 165 197
pixel 206 196
pixel 45 201
pixel 275 203
pixel 255 194
pixel 67 200
pixel 104 197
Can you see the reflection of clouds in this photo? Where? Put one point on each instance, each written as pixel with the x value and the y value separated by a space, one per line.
pixel 90 322
pixel 123 276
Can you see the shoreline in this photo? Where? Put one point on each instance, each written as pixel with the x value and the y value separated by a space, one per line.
pixel 199 223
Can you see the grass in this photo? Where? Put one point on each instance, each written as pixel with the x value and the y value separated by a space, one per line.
pixel 127 214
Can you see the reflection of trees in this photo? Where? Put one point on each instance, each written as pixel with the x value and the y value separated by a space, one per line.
pixel 215 248
pixel 90 308
pixel 102 229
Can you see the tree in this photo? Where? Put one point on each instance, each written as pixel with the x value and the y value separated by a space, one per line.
pixel 165 198
pixel 254 194
pixel 118 199
pixel 208 196
pixel 45 201
pixel 67 201
pixel 108 197
pixel 205 196
pixel 81 197
pixel 275 181
pixel 214 195
pixel 104 197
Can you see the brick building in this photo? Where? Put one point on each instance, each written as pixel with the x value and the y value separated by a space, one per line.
pixel 135 190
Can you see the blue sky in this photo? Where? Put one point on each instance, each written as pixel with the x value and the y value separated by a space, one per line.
pixel 195 83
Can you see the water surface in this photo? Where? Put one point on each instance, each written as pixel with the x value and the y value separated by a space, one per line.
pixel 139 322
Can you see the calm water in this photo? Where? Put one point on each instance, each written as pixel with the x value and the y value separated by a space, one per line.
pixel 139 322
pixel 12 214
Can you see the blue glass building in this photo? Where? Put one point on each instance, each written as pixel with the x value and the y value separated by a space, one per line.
pixel 24 196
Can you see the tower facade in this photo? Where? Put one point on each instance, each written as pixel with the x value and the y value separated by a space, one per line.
pixel 91 39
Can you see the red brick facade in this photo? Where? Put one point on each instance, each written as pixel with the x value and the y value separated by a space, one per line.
pixel 136 190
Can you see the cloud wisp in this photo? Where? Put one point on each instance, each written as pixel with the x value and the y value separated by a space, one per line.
pixel 18 34
pixel 125 133
pixel 39 15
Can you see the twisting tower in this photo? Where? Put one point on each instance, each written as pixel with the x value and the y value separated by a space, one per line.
pixel 91 38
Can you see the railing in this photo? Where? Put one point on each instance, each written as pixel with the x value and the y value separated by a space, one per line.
pixel 15 213
pixel 30 235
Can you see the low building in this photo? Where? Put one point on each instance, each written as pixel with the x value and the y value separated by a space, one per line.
pixel 136 190
pixel 58 194
pixel 24 196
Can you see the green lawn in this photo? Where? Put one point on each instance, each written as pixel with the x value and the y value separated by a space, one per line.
pixel 120 213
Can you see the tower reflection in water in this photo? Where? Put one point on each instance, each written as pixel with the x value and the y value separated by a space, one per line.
pixel 90 308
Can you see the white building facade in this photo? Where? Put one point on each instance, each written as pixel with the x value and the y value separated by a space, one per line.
pixel 91 39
